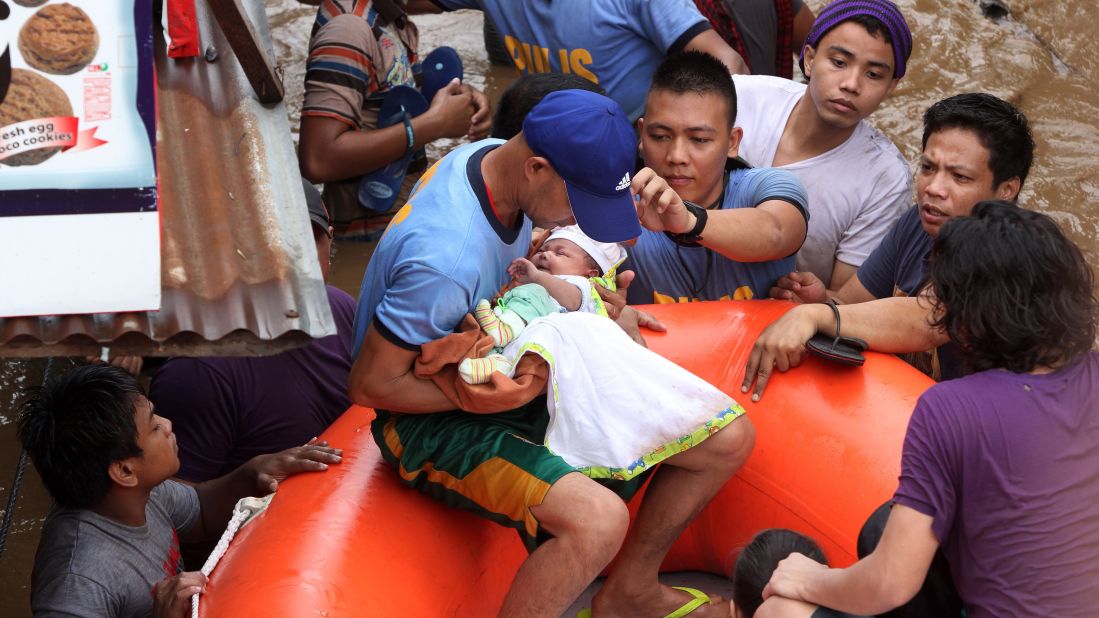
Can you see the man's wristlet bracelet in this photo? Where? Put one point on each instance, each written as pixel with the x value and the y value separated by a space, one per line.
pixel 691 237
pixel 409 134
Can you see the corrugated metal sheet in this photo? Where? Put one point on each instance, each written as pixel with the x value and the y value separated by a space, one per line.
pixel 239 271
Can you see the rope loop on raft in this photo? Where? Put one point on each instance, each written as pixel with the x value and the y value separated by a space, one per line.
pixel 245 510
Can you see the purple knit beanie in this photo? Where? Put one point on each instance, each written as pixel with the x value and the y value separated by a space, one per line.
pixel 884 11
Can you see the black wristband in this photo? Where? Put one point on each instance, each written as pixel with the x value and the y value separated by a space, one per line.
pixel 691 237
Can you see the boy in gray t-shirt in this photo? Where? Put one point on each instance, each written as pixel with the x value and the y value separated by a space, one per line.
pixel 89 562
pixel 110 547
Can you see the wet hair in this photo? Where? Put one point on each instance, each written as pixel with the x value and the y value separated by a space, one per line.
pixel 1000 126
pixel 526 92
pixel 759 559
pixel 699 73
pixel 1011 290
pixel 874 27
pixel 75 426
pixel 590 262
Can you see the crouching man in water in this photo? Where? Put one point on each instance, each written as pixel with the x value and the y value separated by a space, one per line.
pixel 449 247
pixel 111 545
pixel 976 147
pixel 1000 468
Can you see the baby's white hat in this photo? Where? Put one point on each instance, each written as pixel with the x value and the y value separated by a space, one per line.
pixel 605 254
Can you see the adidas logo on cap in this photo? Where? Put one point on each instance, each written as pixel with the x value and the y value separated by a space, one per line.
pixel 624 183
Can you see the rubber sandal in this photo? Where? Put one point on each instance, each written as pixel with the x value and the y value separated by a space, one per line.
pixel 838 349
pixel 378 190
pixel 437 69
pixel 698 599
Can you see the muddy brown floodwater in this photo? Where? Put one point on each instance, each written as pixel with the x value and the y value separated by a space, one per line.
pixel 1040 57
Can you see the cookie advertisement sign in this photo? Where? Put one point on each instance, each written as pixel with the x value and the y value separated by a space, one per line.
pixel 79 228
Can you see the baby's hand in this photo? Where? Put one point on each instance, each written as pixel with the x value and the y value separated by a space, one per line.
pixel 523 270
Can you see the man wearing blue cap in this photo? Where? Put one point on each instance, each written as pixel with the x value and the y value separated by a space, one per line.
pixel 450 246
pixel 858 182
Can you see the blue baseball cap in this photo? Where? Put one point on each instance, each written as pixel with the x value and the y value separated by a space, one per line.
pixel 588 140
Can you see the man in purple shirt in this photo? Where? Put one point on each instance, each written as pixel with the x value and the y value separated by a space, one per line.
pixel 1000 468
pixel 227 410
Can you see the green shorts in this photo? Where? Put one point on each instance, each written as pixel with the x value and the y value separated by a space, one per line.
pixel 493 465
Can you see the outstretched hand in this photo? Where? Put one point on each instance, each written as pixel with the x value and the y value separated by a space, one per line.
pixel 172 595
pixel 659 207
pixel 800 287
pixel 522 270
pixel 270 470
pixel 632 320
pixel 780 346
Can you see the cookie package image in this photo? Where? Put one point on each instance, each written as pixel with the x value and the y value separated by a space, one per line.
pixel 32 96
pixel 79 113
pixel 59 39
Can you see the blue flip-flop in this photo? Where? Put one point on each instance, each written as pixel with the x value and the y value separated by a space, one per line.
pixel 378 189
pixel 437 69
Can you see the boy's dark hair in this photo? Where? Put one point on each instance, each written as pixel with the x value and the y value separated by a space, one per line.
pixel 592 264
pixel 1011 290
pixel 759 559
pixel 75 427
pixel 874 27
pixel 999 125
pixel 697 72
pixel 526 92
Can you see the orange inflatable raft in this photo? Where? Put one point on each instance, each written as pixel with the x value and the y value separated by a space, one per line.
pixel 354 542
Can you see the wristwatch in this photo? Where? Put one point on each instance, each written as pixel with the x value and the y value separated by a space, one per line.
pixel 691 237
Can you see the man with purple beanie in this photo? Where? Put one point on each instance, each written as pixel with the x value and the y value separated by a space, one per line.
pixel 469 217
pixel 858 182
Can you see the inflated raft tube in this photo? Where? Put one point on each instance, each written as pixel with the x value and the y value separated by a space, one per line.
pixel 353 542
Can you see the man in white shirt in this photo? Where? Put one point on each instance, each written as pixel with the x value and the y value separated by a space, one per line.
pixel 857 180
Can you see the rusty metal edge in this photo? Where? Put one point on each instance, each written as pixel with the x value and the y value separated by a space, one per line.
pixel 250 318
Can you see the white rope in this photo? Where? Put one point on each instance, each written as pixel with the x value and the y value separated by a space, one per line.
pixel 242 513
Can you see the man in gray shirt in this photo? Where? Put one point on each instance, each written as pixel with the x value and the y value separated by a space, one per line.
pixel 110 547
